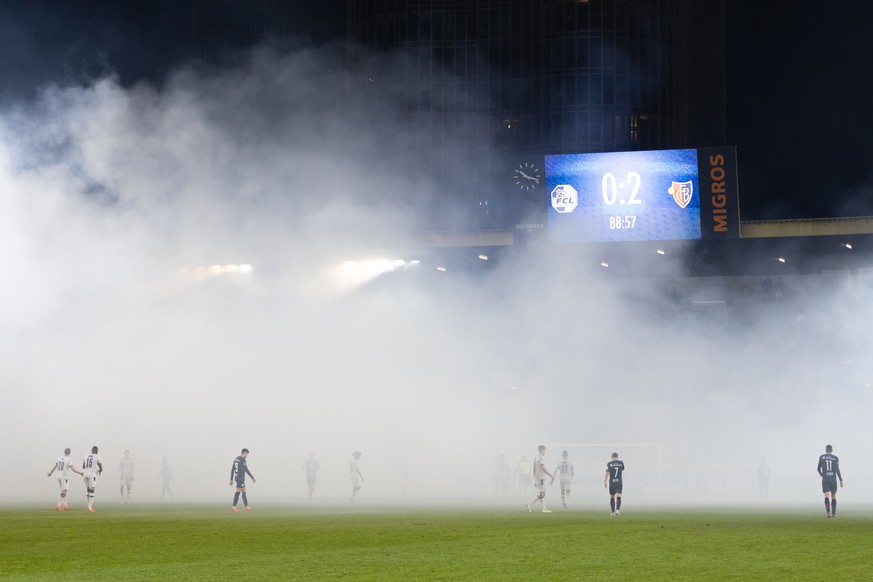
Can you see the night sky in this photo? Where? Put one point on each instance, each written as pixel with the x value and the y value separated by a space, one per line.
pixel 799 86
pixel 799 82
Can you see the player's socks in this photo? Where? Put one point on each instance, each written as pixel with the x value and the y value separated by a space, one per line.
pixel 235 498
pixel 245 500
pixel 528 507
pixel 611 505
pixel 618 504
pixel 834 507
pixel 828 506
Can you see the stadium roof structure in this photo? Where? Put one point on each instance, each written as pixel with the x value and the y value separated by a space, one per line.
pixel 860 225
pixel 765 248
pixel 806 227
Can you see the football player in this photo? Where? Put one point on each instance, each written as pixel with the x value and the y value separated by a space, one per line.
pixel 540 471
pixel 614 469
pixel 92 467
pixel 238 472
pixel 63 466
pixel 126 467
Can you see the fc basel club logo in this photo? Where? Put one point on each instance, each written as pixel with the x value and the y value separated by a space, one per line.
pixel 681 192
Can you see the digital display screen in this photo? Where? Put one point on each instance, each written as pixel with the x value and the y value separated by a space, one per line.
pixel 642 195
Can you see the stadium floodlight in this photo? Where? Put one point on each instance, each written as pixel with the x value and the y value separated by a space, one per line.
pixel 604 264
pixel 847 245
pixel 352 274
pixel 483 257
pixel 442 269
pixel 780 259
pixel 213 271
pixel 661 252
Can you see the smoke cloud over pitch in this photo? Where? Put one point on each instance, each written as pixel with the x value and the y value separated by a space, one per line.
pixel 168 259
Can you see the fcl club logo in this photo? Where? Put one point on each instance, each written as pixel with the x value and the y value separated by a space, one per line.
pixel 682 192
pixel 565 199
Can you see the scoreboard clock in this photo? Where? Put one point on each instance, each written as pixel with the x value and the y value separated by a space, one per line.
pixel 642 195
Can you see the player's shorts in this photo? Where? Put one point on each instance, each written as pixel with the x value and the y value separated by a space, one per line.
pixel 64 483
pixel 356 481
pixel 128 479
pixel 240 484
pixel 541 484
pixel 90 481
pixel 829 485
pixel 310 480
pixel 615 487
pixel 565 487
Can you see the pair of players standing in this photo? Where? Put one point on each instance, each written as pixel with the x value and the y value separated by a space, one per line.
pixel 92 466
pixel 611 479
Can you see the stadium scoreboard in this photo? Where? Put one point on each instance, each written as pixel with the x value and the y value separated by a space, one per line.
pixel 682 194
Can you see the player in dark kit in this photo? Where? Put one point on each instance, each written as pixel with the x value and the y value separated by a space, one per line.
pixel 829 469
pixel 238 473
pixel 614 469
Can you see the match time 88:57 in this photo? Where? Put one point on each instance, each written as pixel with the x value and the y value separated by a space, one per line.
pixel 622 222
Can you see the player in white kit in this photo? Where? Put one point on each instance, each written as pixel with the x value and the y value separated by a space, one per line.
pixel 566 471
pixel 125 468
pixel 355 474
pixel 540 472
pixel 92 466
pixel 63 466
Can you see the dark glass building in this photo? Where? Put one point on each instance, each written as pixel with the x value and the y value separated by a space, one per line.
pixel 568 75
pixel 534 77
pixel 222 25
pixel 489 85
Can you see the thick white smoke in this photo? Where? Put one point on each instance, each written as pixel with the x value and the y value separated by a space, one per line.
pixel 167 258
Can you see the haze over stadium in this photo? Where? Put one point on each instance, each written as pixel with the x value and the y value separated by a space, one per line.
pixel 171 256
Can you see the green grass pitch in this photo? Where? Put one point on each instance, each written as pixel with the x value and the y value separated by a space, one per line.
pixel 202 542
